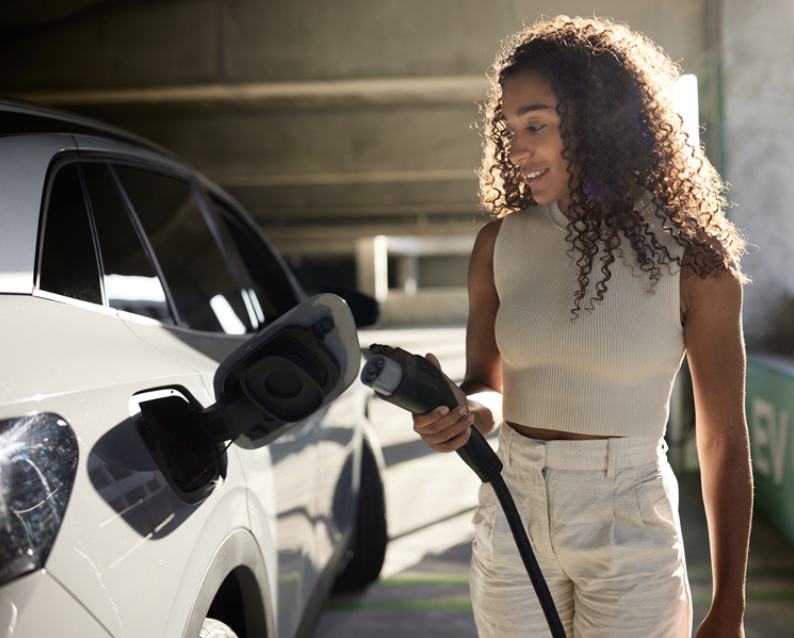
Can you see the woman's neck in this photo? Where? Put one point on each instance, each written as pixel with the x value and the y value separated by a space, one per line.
pixel 565 203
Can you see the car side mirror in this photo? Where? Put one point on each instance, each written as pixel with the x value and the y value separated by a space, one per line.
pixel 277 379
pixel 365 309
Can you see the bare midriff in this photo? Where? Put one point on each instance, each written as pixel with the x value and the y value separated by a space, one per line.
pixel 542 434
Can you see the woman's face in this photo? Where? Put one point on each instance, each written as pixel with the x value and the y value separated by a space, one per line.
pixel 529 109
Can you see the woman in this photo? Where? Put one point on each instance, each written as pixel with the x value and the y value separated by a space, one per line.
pixel 608 258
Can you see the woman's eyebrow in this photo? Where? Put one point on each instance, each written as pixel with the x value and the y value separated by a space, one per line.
pixel 534 107
pixel 528 109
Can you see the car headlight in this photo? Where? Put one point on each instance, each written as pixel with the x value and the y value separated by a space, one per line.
pixel 38 463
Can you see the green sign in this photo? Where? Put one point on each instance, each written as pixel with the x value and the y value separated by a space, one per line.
pixel 770 404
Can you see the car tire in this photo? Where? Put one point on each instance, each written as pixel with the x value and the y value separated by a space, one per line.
pixel 216 629
pixel 370 536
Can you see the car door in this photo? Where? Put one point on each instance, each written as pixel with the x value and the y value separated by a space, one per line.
pixel 269 289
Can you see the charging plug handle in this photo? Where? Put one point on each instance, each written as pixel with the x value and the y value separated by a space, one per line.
pixel 420 389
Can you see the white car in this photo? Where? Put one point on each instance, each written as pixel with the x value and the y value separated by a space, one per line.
pixel 178 453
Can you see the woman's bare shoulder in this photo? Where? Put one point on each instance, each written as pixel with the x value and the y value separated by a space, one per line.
pixel 486 237
pixel 714 293
pixel 483 251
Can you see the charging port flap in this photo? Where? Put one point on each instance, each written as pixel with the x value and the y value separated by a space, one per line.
pixel 291 369
pixel 277 379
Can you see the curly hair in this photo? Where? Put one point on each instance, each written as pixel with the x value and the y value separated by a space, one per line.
pixel 614 89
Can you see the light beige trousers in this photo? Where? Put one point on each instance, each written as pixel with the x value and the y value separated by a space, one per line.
pixel 602 517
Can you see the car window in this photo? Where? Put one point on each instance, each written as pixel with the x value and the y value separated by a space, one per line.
pixel 131 282
pixel 204 293
pixel 266 281
pixel 68 264
pixel 247 287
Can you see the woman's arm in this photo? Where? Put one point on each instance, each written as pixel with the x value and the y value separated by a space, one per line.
pixel 483 380
pixel 715 352
pixel 480 393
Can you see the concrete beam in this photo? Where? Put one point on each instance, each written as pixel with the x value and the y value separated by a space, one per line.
pixel 283 95
pixel 369 177
pixel 337 240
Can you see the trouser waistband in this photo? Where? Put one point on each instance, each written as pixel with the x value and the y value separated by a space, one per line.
pixel 608 455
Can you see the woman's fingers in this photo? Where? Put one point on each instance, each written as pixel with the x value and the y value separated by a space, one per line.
pixel 438 420
pixel 454 443
pixel 432 417
pixel 447 431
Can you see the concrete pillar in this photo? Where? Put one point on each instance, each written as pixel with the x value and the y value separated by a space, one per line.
pixel 759 92
pixel 408 274
pixel 372 266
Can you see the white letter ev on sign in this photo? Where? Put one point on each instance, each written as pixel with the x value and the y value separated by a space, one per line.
pixel 770 435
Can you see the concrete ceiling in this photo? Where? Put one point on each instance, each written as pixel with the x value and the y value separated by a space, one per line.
pixel 20 15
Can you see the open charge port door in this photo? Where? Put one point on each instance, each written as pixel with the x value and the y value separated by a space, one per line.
pixel 277 379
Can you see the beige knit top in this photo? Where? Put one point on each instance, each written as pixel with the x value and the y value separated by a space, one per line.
pixel 607 373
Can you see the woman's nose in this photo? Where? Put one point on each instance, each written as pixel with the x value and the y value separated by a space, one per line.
pixel 518 150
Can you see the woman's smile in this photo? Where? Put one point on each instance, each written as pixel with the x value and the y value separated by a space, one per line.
pixel 534 176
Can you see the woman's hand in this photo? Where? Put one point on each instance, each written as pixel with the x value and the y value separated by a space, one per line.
pixel 442 429
pixel 713 626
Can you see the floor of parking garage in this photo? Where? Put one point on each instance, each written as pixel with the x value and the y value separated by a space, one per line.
pixel 423 590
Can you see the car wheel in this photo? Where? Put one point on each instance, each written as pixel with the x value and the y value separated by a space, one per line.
pixel 369 545
pixel 216 629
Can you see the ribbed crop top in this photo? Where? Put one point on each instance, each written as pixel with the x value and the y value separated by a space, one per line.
pixel 609 372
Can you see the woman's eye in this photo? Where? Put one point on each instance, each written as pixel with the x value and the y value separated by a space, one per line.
pixel 535 129
pixel 509 134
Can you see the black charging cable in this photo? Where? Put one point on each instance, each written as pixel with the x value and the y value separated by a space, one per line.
pixel 413 383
